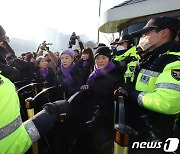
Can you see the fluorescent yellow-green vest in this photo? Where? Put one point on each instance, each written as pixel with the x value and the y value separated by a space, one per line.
pixel 161 91
pixel 18 141
pixel 130 71
pixel 130 52
pixel 130 66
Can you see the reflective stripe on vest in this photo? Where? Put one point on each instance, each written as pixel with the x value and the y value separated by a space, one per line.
pixel 168 86
pixel 149 72
pixel 159 85
pixel 10 128
pixel 32 130
pixel 140 97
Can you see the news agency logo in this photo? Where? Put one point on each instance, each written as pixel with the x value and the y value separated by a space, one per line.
pixel 170 145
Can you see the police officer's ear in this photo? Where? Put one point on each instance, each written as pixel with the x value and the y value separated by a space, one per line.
pixel 164 33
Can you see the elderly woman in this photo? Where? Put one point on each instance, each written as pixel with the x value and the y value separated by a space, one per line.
pixel 104 79
pixel 99 106
pixel 68 75
pixel 42 73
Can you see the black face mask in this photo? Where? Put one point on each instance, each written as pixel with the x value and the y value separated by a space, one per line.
pixel 48 60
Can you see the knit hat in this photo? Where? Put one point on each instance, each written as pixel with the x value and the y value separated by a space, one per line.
pixel 69 52
pixel 103 51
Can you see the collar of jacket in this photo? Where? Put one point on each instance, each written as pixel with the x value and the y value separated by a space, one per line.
pixel 149 57
pixel 169 46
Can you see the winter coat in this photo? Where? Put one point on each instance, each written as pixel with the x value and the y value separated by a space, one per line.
pixel 99 105
pixel 76 74
pixel 9 72
pixel 86 71
pixel 39 79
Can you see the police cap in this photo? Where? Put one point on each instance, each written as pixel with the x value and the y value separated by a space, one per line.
pixel 172 23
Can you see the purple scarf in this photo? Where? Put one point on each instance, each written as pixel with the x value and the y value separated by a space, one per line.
pixel 85 63
pixel 98 72
pixel 66 73
pixel 44 72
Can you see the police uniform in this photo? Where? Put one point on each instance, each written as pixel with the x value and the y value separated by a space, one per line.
pixel 158 79
pixel 134 57
pixel 15 136
pixel 153 104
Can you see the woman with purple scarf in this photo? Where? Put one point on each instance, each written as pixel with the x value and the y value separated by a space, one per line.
pixel 102 82
pixel 42 73
pixel 86 63
pixel 97 105
pixel 68 75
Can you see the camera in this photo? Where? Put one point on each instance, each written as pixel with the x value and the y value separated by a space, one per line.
pixel 44 46
pixel 72 40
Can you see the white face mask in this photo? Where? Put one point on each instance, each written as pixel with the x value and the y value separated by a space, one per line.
pixel 120 47
pixel 144 43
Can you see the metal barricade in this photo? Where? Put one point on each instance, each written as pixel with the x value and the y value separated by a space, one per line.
pixel 27 91
pixel 122 132
pixel 35 104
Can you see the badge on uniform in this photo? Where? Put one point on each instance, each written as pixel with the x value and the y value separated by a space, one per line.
pixel 176 74
pixel 145 79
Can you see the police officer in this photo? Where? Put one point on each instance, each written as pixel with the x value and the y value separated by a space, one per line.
pixel 153 98
pixel 3 41
pixel 15 136
pixel 126 53
pixel 125 43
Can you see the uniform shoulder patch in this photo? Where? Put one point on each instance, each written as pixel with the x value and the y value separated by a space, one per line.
pixel 176 74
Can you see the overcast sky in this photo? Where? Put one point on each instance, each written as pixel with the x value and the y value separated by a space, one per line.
pixel 25 18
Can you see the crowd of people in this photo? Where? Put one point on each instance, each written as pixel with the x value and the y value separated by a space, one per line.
pixel 146 75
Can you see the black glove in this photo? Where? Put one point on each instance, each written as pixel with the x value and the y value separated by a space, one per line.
pixel 128 59
pixel 58 108
pixel 128 87
pixel 120 92
pixel 132 93
pixel 44 120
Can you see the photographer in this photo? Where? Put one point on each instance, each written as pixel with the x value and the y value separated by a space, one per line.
pixel 72 41
pixel 50 57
